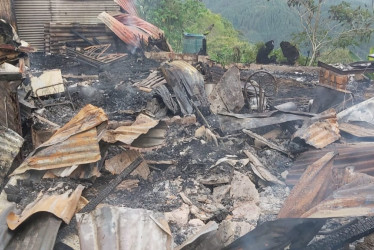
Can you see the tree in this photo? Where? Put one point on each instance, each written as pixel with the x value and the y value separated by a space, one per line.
pixel 177 16
pixel 339 27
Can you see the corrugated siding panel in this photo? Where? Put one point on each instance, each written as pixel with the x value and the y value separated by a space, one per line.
pixel 32 15
pixel 10 144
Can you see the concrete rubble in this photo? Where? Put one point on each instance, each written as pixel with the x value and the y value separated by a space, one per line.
pixel 134 146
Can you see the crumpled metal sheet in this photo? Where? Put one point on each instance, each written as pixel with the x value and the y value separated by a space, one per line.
pixel 231 124
pixel 354 197
pixel 228 93
pixel 127 134
pixel 128 6
pixel 358 129
pixel 132 20
pixel 359 155
pixel 363 111
pixel 187 84
pixel 128 34
pixel 39 232
pixel 63 206
pixel 312 188
pixel 10 144
pixel 320 131
pixel 121 228
pixel 73 144
pixel 327 192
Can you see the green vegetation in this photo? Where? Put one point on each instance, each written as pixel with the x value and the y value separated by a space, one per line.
pixel 275 20
pixel 259 21
pixel 225 44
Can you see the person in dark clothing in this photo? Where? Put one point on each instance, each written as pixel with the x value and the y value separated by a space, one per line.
pixel 263 54
pixel 290 52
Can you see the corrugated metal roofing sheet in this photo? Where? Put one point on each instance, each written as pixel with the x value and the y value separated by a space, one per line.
pixel 360 155
pixel 73 144
pixel 128 34
pixel 320 132
pixel 120 228
pixel 32 15
pixel 63 206
pixel 10 144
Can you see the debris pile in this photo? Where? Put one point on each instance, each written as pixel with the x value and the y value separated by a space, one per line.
pixel 181 154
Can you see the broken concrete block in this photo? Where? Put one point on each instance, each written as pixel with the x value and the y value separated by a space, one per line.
pixel 229 231
pixel 220 192
pixel 247 211
pixel 242 189
pixel 179 216
pixel 196 223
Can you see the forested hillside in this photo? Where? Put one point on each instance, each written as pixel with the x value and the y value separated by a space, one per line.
pixel 269 20
pixel 258 20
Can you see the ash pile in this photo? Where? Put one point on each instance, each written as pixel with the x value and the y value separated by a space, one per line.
pixel 117 142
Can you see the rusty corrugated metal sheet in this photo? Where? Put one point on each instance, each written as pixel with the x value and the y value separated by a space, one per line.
pixel 320 131
pixel 361 130
pixel 354 197
pixel 32 15
pixel 135 21
pixel 63 206
pixel 313 187
pixel 73 144
pixel 325 192
pixel 187 84
pixel 128 34
pixel 10 144
pixel 359 155
pixel 119 228
pixel 128 6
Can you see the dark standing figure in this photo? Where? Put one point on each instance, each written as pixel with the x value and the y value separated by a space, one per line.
pixel 263 54
pixel 290 52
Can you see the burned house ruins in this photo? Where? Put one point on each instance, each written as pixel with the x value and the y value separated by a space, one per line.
pixel 112 140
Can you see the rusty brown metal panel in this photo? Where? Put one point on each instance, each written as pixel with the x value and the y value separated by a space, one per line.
pixel 10 115
pixel 128 6
pixel 119 228
pixel 132 36
pixel 321 130
pixel 63 206
pixel 360 155
pixel 314 186
pixel 10 144
pixel 73 144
